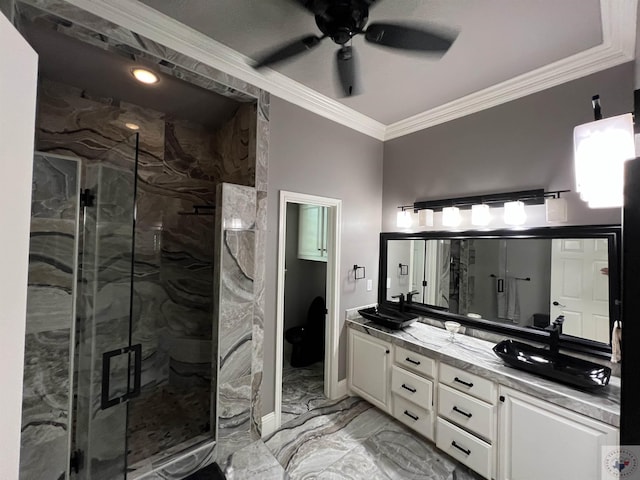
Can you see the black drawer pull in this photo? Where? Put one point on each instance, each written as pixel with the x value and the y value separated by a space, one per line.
pixel 412 390
pixel 462 412
pixel 411 415
pixel 466 384
pixel 411 360
pixel 464 450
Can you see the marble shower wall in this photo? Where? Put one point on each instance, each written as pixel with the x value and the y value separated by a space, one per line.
pixel 50 312
pixel 179 166
pixel 80 24
pixel 235 298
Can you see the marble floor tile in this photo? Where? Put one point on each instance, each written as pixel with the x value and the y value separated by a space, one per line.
pixel 254 461
pixel 302 390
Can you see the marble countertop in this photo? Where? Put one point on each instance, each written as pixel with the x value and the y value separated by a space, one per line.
pixel 475 355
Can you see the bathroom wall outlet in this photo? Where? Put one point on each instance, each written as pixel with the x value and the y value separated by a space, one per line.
pixel 388 283
pixel 369 285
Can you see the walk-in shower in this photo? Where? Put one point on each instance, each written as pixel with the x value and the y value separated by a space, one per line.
pixel 118 359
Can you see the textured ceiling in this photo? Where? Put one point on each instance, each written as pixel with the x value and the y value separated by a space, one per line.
pixel 498 40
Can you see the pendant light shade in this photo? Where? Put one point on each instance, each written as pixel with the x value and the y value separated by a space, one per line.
pixel 404 219
pixel 480 215
pixel 514 213
pixel 555 209
pixel 451 216
pixel 425 218
pixel 600 150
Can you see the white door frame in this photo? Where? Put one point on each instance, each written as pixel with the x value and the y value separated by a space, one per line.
pixel 332 333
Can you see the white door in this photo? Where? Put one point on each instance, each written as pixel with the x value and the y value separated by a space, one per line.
pixel 580 288
pixel 18 83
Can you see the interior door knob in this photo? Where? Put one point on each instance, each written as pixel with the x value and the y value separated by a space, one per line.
pixel 558 304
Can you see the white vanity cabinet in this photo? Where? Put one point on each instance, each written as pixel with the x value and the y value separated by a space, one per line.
pixel 466 426
pixel 312 233
pixel 412 390
pixel 539 440
pixel 368 368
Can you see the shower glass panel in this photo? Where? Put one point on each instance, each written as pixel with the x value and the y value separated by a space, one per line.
pixel 50 314
pixel 108 365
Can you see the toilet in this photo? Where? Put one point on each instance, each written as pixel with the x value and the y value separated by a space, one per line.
pixel 308 341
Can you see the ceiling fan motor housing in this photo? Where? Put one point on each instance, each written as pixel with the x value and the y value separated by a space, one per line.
pixel 342 20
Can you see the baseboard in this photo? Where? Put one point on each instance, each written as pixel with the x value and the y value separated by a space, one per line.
pixel 268 424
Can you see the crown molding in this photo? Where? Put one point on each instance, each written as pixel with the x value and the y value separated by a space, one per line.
pixel 618 46
pixel 170 33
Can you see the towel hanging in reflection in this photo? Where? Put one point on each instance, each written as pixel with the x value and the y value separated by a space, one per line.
pixel 616 342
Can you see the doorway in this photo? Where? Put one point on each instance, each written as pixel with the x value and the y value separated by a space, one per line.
pixel 309 249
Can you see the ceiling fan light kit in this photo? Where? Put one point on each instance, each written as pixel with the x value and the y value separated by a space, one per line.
pixel 341 20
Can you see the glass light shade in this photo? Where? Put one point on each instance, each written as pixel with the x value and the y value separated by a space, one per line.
pixel 480 215
pixel 451 216
pixel 514 213
pixel 600 150
pixel 404 219
pixel 555 209
pixel 425 218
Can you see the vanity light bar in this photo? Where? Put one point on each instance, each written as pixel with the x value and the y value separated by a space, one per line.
pixel 528 197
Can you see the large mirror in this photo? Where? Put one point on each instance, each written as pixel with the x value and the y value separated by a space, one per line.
pixel 510 280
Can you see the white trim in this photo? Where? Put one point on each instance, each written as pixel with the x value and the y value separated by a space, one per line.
pixel 268 424
pixel 618 46
pixel 331 387
pixel 168 32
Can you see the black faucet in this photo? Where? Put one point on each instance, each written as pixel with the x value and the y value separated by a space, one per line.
pixel 555 330
pixel 400 298
pixel 410 296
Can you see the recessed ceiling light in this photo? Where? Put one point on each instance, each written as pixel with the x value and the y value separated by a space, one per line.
pixel 132 126
pixel 145 76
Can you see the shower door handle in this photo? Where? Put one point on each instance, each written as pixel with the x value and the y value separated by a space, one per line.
pixel 105 400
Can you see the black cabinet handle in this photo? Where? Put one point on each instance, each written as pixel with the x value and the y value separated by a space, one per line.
pixel 412 390
pixel 411 415
pixel 466 384
pixel 388 351
pixel 462 412
pixel 411 360
pixel 464 450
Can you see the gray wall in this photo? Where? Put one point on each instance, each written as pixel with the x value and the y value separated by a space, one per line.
pixel 310 154
pixel 527 143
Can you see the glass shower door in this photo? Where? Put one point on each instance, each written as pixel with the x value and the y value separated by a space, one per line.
pixel 108 365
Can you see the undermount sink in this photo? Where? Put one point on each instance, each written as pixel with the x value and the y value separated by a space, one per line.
pixel 564 368
pixel 388 318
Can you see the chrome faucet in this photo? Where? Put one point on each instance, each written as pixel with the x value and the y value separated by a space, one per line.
pixel 555 330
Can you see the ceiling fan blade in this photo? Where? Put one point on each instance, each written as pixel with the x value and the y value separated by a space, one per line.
pixel 406 37
pixel 288 50
pixel 346 67
pixel 317 7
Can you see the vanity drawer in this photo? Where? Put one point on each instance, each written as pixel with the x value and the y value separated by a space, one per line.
pixel 419 419
pixel 468 382
pixel 412 387
pixel 467 412
pixel 415 362
pixel 464 447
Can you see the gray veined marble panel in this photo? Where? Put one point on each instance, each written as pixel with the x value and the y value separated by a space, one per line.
pixel 254 461
pixel 235 300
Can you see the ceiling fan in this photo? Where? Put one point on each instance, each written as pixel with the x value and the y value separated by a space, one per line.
pixel 341 20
